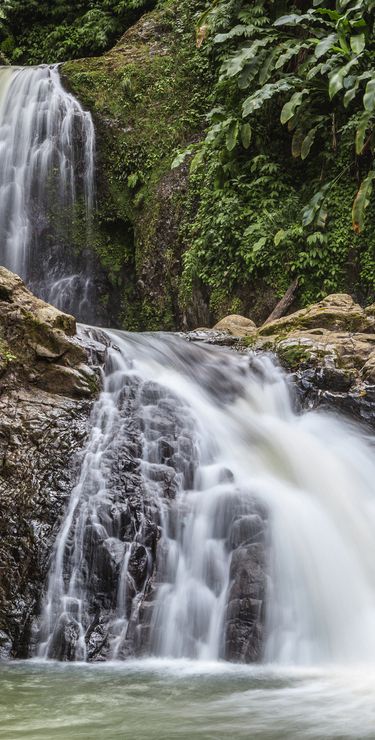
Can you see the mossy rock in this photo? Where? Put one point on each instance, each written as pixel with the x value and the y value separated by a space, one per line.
pixel 148 97
pixel 337 312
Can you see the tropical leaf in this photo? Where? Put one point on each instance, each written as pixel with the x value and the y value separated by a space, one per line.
pixel 232 135
pixel 292 20
pixel 361 132
pixel 325 45
pixel 314 209
pixel 178 160
pixel 308 142
pixel 246 135
pixel 357 43
pixel 369 96
pixel 361 202
pixel 239 30
pixel 255 101
pixel 279 236
pixel 336 80
pixel 235 63
pixel 289 108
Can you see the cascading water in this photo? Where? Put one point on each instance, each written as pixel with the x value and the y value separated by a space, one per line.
pixel 47 147
pixel 210 520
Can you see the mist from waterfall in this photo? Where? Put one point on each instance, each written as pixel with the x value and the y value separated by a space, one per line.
pixel 209 513
pixel 47 163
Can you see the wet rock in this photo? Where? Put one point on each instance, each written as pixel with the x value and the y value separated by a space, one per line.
pixel 138 565
pixel 244 625
pixel 5 645
pixel 330 348
pixel 43 425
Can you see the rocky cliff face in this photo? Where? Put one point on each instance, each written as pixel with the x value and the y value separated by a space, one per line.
pixel 46 393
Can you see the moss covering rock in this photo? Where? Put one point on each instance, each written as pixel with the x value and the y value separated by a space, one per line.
pixel 47 388
pixel 148 97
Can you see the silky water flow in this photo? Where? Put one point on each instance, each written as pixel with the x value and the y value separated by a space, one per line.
pixel 47 170
pixel 193 449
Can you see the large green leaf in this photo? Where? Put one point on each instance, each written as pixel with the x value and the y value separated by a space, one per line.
pixel 292 19
pixel 268 66
pixel 246 135
pixel 232 135
pixel 239 30
pixel 257 99
pixel 308 142
pixel 289 108
pixel 361 202
pixel 336 80
pixel 357 43
pixel 369 96
pixel 325 45
pixel 361 132
pixel 314 208
pixel 235 63
pixel 291 51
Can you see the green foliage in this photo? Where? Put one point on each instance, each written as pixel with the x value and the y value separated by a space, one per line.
pixel 303 85
pixel 47 31
pixel 147 97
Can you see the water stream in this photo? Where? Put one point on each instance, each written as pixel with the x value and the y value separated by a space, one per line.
pixel 211 520
pixel 47 150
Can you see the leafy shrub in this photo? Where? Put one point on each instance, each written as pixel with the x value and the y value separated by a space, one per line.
pixel 34 32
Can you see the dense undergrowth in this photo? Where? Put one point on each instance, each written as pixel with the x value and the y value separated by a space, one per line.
pixel 48 31
pixel 284 175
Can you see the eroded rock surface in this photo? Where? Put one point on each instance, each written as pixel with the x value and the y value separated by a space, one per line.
pixel 46 392
pixel 330 346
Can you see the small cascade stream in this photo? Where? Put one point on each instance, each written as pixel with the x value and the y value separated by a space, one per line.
pixel 47 153
pixel 210 520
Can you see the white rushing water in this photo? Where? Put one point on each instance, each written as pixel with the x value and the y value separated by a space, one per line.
pixel 222 425
pixel 47 148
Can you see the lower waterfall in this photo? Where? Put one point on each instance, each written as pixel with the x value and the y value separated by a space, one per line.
pixel 210 519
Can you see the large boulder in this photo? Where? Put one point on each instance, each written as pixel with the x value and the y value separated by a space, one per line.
pixel 236 325
pixel 39 343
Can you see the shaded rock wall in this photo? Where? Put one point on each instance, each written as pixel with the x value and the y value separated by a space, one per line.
pixel 46 393
pixel 148 97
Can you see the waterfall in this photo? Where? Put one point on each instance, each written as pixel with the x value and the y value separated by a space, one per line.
pixel 211 520
pixel 47 145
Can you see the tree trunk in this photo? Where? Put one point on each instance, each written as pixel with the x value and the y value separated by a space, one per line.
pixel 285 303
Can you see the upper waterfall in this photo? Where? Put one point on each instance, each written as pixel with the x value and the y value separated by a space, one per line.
pixel 210 520
pixel 47 150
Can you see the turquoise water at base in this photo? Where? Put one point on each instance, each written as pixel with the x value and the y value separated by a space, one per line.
pixel 163 700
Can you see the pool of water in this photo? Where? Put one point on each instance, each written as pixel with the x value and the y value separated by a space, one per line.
pixel 162 700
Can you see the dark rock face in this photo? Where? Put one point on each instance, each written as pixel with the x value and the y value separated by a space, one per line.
pixel 245 618
pixel 331 389
pixel 46 394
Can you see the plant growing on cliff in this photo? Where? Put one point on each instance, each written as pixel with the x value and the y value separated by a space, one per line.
pixel 299 89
